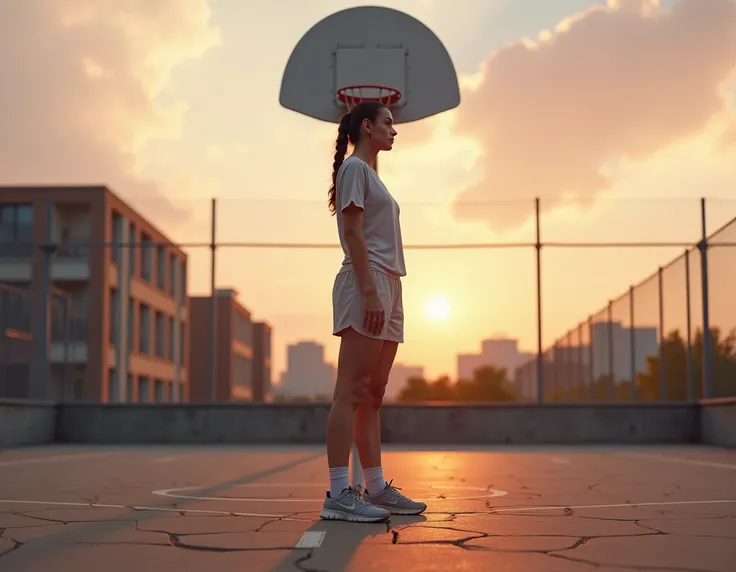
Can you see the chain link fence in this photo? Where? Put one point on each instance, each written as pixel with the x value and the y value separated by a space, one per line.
pixel 649 343
pixel 645 345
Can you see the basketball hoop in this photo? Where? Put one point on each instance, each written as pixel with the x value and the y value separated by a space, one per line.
pixel 352 95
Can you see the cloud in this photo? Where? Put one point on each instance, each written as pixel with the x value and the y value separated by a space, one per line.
pixel 84 88
pixel 618 81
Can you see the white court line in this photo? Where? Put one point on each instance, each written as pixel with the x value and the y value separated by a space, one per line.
pixel 285 517
pixel 54 459
pixel 560 460
pixel 152 509
pixel 679 460
pixel 311 539
pixel 174 493
pixel 621 505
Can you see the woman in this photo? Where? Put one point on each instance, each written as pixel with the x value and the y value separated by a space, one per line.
pixel 368 316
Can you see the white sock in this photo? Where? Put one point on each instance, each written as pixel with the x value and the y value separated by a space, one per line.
pixel 339 481
pixel 374 482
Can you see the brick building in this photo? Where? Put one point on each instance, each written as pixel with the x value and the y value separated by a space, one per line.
pixel 242 350
pixel 124 338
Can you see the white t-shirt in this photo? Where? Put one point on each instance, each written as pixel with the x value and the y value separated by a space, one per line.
pixel 359 184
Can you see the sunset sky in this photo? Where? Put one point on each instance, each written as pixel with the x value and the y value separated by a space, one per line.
pixel 619 115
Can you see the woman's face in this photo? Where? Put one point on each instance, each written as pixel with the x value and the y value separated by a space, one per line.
pixel 381 132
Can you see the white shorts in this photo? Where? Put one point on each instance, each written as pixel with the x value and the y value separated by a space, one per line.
pixel 347 305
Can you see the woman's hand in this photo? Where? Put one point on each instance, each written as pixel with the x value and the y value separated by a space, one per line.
pixel 374 316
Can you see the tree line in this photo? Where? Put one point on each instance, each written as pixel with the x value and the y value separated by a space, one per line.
pixel 492 384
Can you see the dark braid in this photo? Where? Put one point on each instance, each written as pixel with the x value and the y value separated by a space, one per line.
pixel 341 147
pixel 349 132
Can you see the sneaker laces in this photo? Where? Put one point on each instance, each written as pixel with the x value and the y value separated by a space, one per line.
pixel 394 489
pixel 356 493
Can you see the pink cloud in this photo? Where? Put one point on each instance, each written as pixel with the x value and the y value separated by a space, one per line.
pixel 80 82
pixel 616 81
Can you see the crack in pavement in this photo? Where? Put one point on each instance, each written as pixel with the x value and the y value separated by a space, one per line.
pixel 16 545
pixel 625 566
pixel 174 539
pixel 476 534
pixel 177 540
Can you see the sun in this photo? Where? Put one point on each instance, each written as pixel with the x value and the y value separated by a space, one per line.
pixel 437 308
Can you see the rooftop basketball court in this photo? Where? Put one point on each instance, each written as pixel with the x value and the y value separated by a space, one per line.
pixel 69 508
pixel 255 508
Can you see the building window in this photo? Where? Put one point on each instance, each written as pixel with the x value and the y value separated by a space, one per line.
pixel 16 228
pixel 129 389
pixel 242 371
pixel 182 337
pixel 172 275
pixel 144 389
pixel 112 385
pixel 133 249
pixel 131 324
pixel 117 236
pixel 17 380
pixel 243 329
pixel 144 329
pixel 146 258
pixel 160 333
pixel 158 391
pixel 161 267
pixel 114 330
pixel 183 291
pixel 171 339
pixel 170 392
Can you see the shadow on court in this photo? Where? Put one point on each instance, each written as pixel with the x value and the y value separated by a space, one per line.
pixel 341 543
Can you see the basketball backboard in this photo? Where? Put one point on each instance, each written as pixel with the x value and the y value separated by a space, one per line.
pixel 370 45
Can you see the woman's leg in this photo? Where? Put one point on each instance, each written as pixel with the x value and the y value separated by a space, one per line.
pixel 358 356
pixel 356 362
pixel 367 432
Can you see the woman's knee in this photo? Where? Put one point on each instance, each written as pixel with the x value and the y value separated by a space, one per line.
pixel 374 395
pixel 353 392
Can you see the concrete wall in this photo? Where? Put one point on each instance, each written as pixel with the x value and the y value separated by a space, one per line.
pixel 24 422
pixel 433 424
pixel 718 422
pixel 28 423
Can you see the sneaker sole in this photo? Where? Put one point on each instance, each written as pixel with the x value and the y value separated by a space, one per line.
pixel 329 514
pixel 402 511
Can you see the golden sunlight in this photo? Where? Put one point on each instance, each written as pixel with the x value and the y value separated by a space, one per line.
pixel 437 308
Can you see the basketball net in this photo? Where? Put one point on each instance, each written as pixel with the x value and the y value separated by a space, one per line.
pixel 352 95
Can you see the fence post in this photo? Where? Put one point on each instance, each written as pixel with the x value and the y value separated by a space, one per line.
pixel 581 368
pixel 632 341
pixel 213 304
pixel 690 380
pixel 707 387
pixel 68 306
pixel 538 245
pixel 611 377
pixel 591 369
pixel 662 373
pixel 40 389
pixel 569 377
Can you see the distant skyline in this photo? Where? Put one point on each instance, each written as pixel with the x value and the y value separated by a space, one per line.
pixel 173 103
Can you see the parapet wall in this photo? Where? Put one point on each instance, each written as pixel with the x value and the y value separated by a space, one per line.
pixel 712 422
pixel 25 422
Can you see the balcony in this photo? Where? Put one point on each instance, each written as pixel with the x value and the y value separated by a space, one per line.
pixel 68 330
pixel 70 233
pixel 71 261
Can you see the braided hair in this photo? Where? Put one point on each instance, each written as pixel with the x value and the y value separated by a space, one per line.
pixel 349 132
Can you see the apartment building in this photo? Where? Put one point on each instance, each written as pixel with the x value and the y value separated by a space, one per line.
pixel 122 335
pixel 242 350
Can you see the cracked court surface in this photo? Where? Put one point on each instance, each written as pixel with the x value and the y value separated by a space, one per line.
pixel 253 508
